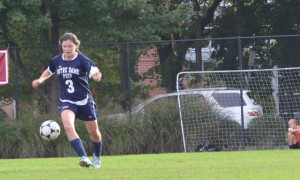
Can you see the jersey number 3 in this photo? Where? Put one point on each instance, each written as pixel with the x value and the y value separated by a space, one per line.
pixel 71 86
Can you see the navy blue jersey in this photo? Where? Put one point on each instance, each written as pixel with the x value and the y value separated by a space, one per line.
pixel 73 76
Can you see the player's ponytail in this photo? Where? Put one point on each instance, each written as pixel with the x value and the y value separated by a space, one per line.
pixel 72 37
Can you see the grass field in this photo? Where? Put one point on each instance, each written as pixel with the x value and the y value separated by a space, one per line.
pixel 275 164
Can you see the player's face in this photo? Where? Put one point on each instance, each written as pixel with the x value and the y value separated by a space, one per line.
pixel 69 48
pixel 292 124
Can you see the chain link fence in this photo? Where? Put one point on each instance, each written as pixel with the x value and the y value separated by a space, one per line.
pixel 135 71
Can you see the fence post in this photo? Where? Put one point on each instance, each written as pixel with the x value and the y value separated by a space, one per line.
pixel 16 79
pixel 241 88
pixel 129 81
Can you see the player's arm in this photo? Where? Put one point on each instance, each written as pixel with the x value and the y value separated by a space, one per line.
pixel 93 71
pixel 291 130
pixel 97 76
pixel 45 75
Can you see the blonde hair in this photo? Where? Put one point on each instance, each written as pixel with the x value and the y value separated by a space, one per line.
pixel 72 37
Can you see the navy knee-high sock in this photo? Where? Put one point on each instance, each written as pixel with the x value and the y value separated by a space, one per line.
pixel 78 147
pixel 97 148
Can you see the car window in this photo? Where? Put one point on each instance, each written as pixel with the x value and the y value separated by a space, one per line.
pixel 228 99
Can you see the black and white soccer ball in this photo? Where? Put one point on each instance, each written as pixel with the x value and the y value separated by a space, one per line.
pixel 49 130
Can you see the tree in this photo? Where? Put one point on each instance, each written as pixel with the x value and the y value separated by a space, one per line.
pixel 21 23
pixel 202 21
pixel 259 18
pixel 195 25
pixel 40 23
pixel 133 21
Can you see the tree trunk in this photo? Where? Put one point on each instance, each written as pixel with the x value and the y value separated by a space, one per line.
pixel 198 48
pixel 201 23
pixel 239 5
pixel 53 88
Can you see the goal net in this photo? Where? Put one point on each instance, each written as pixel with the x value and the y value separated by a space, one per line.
pixel 237 109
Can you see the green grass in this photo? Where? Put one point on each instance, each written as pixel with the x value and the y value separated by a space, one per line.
pixel 274 164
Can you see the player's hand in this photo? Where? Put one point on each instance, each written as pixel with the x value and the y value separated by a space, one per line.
pixel 97 76
pixel 36 83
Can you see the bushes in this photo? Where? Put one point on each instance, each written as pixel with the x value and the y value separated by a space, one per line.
pixel 268 132
pixel 223 132
pixel 21 140
pixel 161 129
pixel 208 124
pixel 155 130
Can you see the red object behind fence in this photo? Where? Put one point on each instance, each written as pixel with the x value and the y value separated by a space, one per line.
pixel 4 67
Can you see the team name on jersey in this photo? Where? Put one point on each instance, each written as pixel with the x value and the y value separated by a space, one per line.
pixel 67 72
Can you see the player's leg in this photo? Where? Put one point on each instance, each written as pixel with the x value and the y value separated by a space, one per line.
pixel 95 135
pixel 68 119
pixel 292 141
pixel 88 113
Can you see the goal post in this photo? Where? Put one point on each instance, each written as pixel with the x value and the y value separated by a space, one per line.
pixel 237 109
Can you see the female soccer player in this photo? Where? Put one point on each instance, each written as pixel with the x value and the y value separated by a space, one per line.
pixel 293 134
pixel 76 101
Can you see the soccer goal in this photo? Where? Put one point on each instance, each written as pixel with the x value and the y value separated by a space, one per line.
pixel 237 109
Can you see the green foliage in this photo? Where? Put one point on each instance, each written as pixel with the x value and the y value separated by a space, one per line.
pixel 154 130
pixel 28 22
pixel 36 22
pixel 18 141
pixel 106 59
pixel 121 138
pixel 168 72
pixel 161 128
pixel 21 139
pixel 23 21
pixel 120 20
pixel 225 133
pixel 258 18
pixel 207 123
pixel 158 132
pixel 267 132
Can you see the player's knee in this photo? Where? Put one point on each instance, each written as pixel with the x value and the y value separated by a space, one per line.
pixel 96 136
pixel 68 127
pixel 291 136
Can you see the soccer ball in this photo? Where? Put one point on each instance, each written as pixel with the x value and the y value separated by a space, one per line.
pixel 49 130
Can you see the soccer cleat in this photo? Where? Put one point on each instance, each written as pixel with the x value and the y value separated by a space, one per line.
pixel 85 162
pixel 96 161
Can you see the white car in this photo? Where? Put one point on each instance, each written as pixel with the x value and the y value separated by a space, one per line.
pixel 227 102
